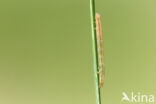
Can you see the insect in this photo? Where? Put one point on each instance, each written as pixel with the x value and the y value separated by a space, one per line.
pixel 100 50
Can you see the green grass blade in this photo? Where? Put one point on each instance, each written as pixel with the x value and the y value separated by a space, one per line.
pixel 95 55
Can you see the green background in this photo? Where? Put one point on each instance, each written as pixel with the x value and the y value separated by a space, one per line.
pixel 46 50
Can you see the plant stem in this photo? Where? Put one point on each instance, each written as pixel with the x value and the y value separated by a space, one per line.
pixel 95 54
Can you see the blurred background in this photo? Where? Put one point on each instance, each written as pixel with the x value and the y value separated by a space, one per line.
pixel 46 50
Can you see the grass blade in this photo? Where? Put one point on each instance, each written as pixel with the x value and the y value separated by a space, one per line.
pixel 95 54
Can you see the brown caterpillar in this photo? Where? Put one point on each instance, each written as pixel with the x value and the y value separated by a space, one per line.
pixel 100 50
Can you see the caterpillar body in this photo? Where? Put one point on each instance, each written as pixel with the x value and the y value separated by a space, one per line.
pixel 100 50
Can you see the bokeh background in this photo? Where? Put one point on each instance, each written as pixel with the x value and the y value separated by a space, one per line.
pixel 46 50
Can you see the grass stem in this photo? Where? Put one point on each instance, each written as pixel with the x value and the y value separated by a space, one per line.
pixel 95 54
